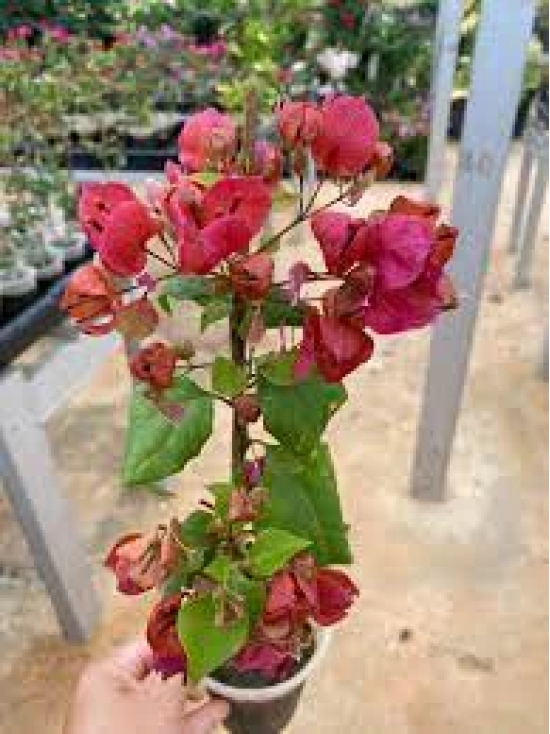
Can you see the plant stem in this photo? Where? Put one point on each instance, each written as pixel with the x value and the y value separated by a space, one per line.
pixel 239 437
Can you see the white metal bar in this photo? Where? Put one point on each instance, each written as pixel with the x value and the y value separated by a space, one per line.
pixel 446 42
pixel 499 60
pixel 27 468
pixel 534 206
pixel 518 221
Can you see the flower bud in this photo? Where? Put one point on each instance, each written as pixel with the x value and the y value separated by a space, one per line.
pixel 247 408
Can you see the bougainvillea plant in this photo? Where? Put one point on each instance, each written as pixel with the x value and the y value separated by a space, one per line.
pixel 244 579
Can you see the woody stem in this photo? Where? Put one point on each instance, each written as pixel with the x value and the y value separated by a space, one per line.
pixel 239 437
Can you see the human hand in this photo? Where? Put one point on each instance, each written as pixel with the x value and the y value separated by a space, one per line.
pixel 120 695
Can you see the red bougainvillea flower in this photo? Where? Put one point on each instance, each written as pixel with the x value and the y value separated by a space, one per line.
pixel 118 226
pixel 346 142
pixel 225 221
pixel 336 593
pixel 423 290
pixel 207 139
pixel 162 636
pixel 91 300
pixel 425 210
pixel 138 319
pixel 251 276
pixel 336 233
pixel 268 162
pixel 397 245
pixel 335 346
pixel 135 560
pixel 273 662
pixel 412 307
pixel 155 364
pixel 299 123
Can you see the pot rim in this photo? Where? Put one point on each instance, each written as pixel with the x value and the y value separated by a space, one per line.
pixel 279 690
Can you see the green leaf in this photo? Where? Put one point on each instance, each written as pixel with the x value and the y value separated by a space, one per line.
pixel 164 303
pixel 222 493
pixel 206 644
pixel 278 311
pixel 249 591
pixel 157 447
pixel 192 288
pixel 278 368
pixel 272 550
pixel 228 378
pixel 220 569
pixel 302 499
pixel 215 309
pixel 297 414
pixel 194 529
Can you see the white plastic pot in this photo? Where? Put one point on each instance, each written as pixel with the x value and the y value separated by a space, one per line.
pixel 19 282
pixel 268 710
pixel 74 250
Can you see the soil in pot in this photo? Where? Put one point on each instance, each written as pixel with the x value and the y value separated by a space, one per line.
pixel 261 717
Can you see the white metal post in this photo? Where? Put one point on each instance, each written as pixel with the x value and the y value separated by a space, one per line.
pixel 446 42
pixel 499 60
pixel 30 480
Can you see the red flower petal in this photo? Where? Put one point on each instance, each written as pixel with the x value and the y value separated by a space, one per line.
pixel 251 277
pixel 271 661
pixel 162 636
pixel 154 364
pixel 347 138
pixel 337 347
pixel 413 307
pixel 298 123
pixel 426 210
pixel 336 593
pixel 268 162
pixel 334 232
pixel 136 569
pixel 96 201
pixel 207 138
pixel 398 245
pixel 91 299
pixel 246 197
pixel 126 232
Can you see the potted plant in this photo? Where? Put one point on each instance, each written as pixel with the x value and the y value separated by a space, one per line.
pixel 248 584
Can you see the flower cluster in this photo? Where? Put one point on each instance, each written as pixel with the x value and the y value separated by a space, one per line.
pixel 248 575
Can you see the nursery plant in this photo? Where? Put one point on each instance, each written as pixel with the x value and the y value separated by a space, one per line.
pixel 249 582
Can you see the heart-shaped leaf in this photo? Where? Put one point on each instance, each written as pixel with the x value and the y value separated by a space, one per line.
pixel 298 413
pixel 156 446
pixel 302 499
pixel 228 378
pixel 206 644
pixel 272 550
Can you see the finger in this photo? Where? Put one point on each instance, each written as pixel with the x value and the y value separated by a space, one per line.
pixel 205 719
pixel 135 658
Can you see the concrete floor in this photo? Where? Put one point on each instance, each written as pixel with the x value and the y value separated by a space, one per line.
pixel 466 579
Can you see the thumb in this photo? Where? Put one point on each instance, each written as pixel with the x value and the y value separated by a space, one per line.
pixel 135 659
pixel 206 718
